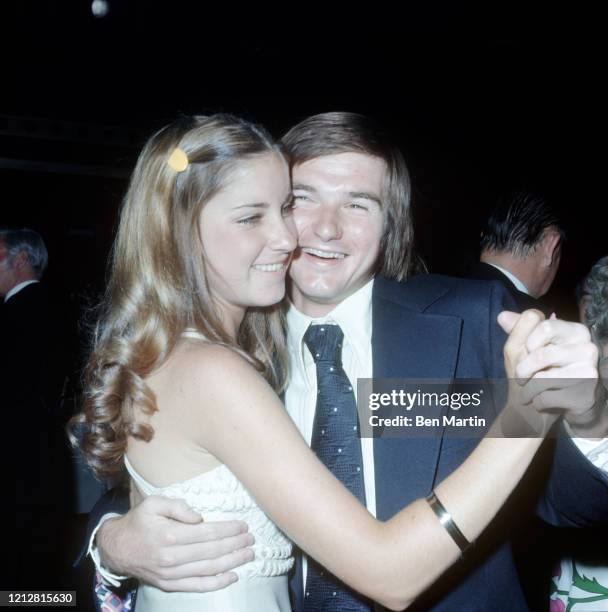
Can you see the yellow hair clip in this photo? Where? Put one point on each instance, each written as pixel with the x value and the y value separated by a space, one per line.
pixel 178 160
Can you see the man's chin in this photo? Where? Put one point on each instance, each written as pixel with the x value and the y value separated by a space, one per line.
pixel 321 292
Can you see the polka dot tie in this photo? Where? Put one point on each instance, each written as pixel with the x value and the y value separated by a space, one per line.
pixel 335 440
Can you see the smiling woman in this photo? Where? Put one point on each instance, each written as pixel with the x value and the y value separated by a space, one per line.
pixel 199 263
pixel 208 204
pixel 251 215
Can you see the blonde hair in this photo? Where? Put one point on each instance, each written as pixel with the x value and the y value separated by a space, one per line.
pixel 158 285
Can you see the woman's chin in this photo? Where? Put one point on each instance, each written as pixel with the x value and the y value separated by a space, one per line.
pixel 268 298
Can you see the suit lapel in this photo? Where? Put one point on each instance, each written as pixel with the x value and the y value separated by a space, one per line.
pixel 409 343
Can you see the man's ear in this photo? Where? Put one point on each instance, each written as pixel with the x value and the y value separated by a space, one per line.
pixel 551 247
pixel 19 261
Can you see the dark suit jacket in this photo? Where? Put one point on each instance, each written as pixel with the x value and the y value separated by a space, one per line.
pixel 446 328
pixel 484 271
pixel 31 377
pixel 439 327
pixel 24 326
pixel 24 365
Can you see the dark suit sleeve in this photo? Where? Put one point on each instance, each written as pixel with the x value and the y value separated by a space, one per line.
pixel 577 491
pixel 500 299
pixel 114 501
pixel 576 494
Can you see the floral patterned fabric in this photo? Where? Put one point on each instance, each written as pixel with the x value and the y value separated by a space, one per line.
pixel 578 587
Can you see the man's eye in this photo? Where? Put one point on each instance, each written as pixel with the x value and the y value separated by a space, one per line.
pixel 249 220
pixel 299 197
pixel 288 208
pixel 357 206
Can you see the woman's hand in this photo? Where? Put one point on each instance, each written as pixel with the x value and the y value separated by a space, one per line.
pixel 552 367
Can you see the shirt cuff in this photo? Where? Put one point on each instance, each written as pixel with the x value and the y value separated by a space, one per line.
pixel 107 576
pixel 596 451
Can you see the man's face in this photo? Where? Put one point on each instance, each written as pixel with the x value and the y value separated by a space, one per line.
pixel 7 280
pixel 339 219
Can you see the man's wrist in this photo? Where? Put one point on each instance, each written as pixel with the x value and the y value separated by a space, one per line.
pixel 591 425
pixel 112 575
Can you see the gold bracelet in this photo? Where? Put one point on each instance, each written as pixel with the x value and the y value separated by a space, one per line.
pixel 446 520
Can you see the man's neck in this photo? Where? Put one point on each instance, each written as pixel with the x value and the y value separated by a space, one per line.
pixel 314 310
pixel 317 310
pixel 514 266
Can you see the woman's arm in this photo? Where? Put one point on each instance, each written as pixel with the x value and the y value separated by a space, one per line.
pixel 239 419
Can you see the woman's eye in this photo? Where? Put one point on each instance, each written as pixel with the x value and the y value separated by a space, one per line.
pixel 249 220
pixel 357 206
pixel 288 208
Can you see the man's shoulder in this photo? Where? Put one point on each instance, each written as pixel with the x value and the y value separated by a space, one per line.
pixel 27 314
pixel 34 293
pixel 432 291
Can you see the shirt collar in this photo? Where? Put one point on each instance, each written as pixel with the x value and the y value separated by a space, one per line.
pixel 518 284
pixel 17 289
pixel 353 315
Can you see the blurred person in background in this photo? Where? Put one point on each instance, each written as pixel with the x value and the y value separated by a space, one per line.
pixel 580 582
pixel 521 247
pixel 32 379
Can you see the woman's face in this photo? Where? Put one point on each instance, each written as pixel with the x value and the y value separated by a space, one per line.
pixel 248 234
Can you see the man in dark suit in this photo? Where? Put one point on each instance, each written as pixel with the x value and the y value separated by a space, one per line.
pixel 24 321
pixel 28 389
pixel 521 248
pixel 23 261
pixel 352 214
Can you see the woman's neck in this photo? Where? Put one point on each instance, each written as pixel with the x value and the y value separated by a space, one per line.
pixel 231 318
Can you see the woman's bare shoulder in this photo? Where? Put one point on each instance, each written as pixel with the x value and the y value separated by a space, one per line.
pixel 212 388
pixel 198 367
pixel 208 359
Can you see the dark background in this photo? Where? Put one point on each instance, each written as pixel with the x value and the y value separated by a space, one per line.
pixel 480 99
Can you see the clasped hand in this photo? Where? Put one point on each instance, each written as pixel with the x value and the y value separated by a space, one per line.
pixel 552 368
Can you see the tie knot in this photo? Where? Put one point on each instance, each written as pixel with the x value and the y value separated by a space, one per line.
pixel 324 342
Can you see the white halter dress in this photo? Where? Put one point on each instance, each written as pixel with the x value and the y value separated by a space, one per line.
pixel 262 585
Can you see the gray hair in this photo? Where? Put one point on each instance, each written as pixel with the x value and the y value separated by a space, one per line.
pixel 596 311
pixel 31 243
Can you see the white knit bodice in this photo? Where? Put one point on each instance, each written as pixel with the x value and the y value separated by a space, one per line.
pixel 219 496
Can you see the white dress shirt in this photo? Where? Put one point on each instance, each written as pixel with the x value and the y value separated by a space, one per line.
pixel 518 284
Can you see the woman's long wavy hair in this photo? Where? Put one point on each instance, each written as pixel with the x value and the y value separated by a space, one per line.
pixel 158 287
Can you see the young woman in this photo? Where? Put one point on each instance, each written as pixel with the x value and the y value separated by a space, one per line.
pixel 188 359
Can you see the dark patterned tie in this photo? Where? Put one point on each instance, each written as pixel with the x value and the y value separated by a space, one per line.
pixel 336 442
